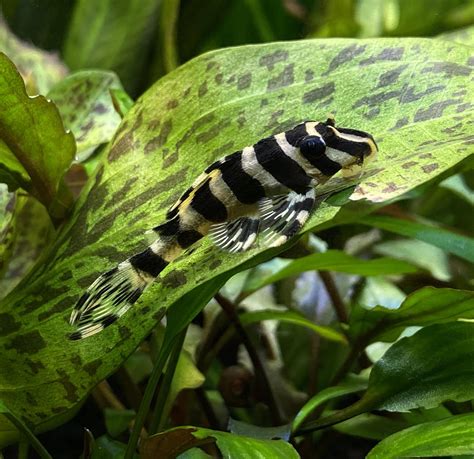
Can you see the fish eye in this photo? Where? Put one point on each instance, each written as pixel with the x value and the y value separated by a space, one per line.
pixel 312 145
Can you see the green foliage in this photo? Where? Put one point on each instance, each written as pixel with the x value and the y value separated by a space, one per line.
pixel 171 443
pixel 109 222
pixel 31 132
pixel 85 104
pixel 332 331
pixel 417 373
pixel 453 436
pixel 39 69
pixel 111 35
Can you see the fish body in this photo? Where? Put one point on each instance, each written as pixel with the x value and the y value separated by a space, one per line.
pixel 266 188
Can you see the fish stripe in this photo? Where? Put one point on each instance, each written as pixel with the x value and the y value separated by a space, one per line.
pixel 246 189
pixel 323 163
pixel 287 171
pixel 205 203
pixel 148 262
pixel 188 238
pixel 352 148
pixel 296 134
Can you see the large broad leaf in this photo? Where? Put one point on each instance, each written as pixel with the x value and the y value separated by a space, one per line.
pixel 85 103
pixel 32 130
pixel 434 365
pixel 170 444
pixel 201 111
pixel 453 436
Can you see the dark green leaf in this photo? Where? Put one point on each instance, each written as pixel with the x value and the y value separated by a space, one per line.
pixel 332 260
pixel 456 244
pixel 169 444
pixel 84 102
pixel 350 387
pixel 371 426
pixel 112 35
pixel 292 317
pixel 8 419
pixel 106 448
pixel 263 433
pixel 203 110
pixel 453 436
pixel 33 131
pixel 426 306
pixel 421 371
pixel 117 421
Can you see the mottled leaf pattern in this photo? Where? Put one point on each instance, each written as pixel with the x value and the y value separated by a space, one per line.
pixel 413 95
pixel 85 104
pixel 40 69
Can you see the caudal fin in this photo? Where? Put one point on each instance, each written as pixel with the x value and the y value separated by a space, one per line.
pixel 113 293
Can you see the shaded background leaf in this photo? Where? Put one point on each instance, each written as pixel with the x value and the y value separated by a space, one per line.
pixel 40 69
pixel 86 107
pixel 111 35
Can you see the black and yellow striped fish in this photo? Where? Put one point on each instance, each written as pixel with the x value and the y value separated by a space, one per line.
pixel 267 188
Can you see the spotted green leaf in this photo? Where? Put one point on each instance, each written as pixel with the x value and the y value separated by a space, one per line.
pixel 31 231
pixel 85 104
pixel 8 203
pixel 413 95
pixel 32 132
pixel 40 69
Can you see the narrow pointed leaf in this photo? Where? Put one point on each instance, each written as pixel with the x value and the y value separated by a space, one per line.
pixel 459 245
pixel 333 260
pixel 295 318
pixel 426 306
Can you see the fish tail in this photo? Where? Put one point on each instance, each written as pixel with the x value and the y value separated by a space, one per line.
pixel 113 293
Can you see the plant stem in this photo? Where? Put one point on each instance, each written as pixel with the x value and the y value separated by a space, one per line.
pixel 260 373
pixel 336 298
pixel 207 408
pixel 29 435
pixel 23 447
pixel 147 397
pixel 157 419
